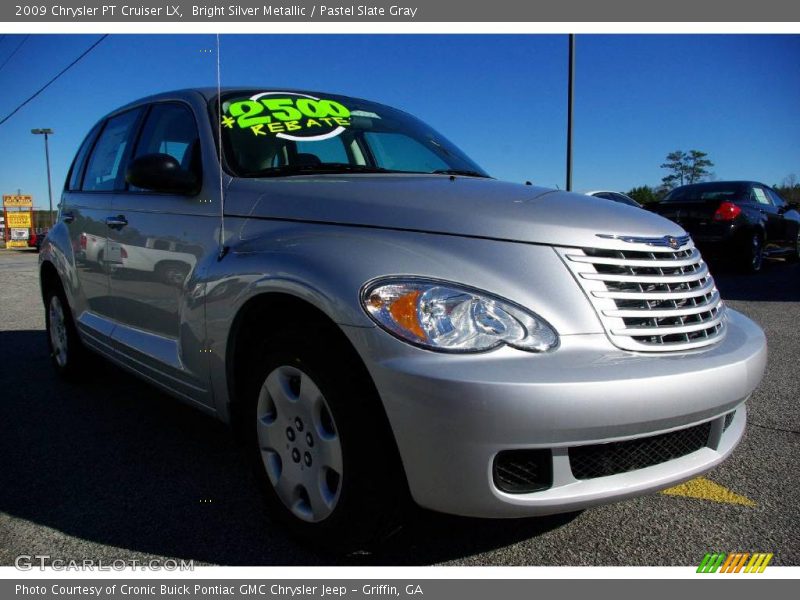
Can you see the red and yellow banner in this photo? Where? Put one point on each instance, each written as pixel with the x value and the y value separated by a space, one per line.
pixel 14 201
pixel 21 220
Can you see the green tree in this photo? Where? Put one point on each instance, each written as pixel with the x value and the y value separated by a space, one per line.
pixel 676 165
pixel 685 168
pixel 697 166
pixel 789 189
pixel 643 194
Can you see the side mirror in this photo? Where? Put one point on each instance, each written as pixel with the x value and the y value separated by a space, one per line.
pixel 162 173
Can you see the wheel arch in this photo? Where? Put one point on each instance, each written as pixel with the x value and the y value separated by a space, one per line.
pixel 48 278
pixel 249 328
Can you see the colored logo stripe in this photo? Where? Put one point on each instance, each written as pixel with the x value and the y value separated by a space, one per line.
pixel 711 563
pixel 758 563
pixel 734 562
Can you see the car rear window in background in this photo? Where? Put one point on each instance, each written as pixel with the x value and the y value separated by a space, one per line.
pixel 760 195
pixel 704 192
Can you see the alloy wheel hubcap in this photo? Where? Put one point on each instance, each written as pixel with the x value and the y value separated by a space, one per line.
pixel 757 254
pixel 58 331
pixel 299 443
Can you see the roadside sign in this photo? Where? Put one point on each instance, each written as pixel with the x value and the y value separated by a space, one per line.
pixel 19 220
pixel 15 201
pixel 17 244
pixel 19 234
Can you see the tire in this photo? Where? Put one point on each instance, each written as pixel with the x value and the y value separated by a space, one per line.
pixel 101 261
pixel 318 441
pixel 66 350
pixel 752 253
pixel 795 256
pixel 172 273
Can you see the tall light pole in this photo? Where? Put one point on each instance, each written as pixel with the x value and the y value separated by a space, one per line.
pixel 46 133
pixel 570 94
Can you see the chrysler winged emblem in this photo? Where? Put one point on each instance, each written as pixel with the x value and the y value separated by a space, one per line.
pixel 667 241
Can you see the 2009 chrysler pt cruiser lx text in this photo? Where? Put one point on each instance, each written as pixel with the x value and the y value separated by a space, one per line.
pixel 377 317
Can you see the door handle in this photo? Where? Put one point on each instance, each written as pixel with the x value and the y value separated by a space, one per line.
pixel 67 217
pixel 117 222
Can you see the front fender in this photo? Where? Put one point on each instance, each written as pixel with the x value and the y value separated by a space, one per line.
pixel 57 251
pixel 327 265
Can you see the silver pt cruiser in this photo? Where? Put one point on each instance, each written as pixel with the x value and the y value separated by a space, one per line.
pixel 377 317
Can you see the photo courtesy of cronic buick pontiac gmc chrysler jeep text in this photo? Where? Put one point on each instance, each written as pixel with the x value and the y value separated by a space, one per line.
pixel 379 319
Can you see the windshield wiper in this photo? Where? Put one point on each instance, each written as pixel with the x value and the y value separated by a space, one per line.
pixel 322 168
pixel 465 172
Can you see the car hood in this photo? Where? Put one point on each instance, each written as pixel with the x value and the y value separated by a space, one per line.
pixel 465 206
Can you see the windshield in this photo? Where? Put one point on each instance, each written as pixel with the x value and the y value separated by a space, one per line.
pixel 274 134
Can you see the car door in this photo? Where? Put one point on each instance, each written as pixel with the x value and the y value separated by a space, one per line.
pixel 162 240
pixel 788 220
pixel 85 205
pixel 774 219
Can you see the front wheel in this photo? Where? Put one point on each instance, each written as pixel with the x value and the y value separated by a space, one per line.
pixel 753 253
pixel 795 254
pixel 320 445
pixel 66 350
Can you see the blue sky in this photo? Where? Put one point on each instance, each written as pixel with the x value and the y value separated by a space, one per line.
pixel 500 98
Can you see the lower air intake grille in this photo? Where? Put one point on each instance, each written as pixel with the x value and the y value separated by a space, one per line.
pixel 728 420
pixel 601 460
pixel 522 471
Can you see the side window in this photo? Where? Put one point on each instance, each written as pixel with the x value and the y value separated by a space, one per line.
pixel 170 128
pixel 760 195
pixel 76 170
pixel 776 199
pixel 103 172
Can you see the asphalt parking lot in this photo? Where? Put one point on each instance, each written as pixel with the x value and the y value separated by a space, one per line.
pixel 111 469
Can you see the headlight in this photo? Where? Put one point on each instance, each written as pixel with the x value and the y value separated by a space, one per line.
pixel 449 318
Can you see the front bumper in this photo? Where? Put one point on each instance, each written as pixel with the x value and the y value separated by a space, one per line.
pixel 452 414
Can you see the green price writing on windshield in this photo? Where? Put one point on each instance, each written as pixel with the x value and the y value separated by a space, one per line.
pixel 249 113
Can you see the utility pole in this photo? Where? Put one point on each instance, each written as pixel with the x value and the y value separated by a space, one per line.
pixel 570 94
pixel 47 133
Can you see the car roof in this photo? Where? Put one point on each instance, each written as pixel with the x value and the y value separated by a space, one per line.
pixel 726 182
pixel 208 93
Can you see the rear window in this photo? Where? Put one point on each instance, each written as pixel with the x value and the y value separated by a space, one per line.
pixel 709 191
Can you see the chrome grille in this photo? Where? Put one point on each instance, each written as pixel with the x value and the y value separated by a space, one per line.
pixel 651 298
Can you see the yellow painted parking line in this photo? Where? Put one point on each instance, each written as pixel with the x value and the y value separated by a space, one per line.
pixel 705 489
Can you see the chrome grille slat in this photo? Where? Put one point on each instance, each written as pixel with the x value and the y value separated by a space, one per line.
pixel 649 297
pixel 669 312
pixel 660 330
pixel 693 293
pixel 693 258
pixel 654 278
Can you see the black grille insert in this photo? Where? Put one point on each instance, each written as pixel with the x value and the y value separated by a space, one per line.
pixel 522 471
pixel 728 420
pixel 600 460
